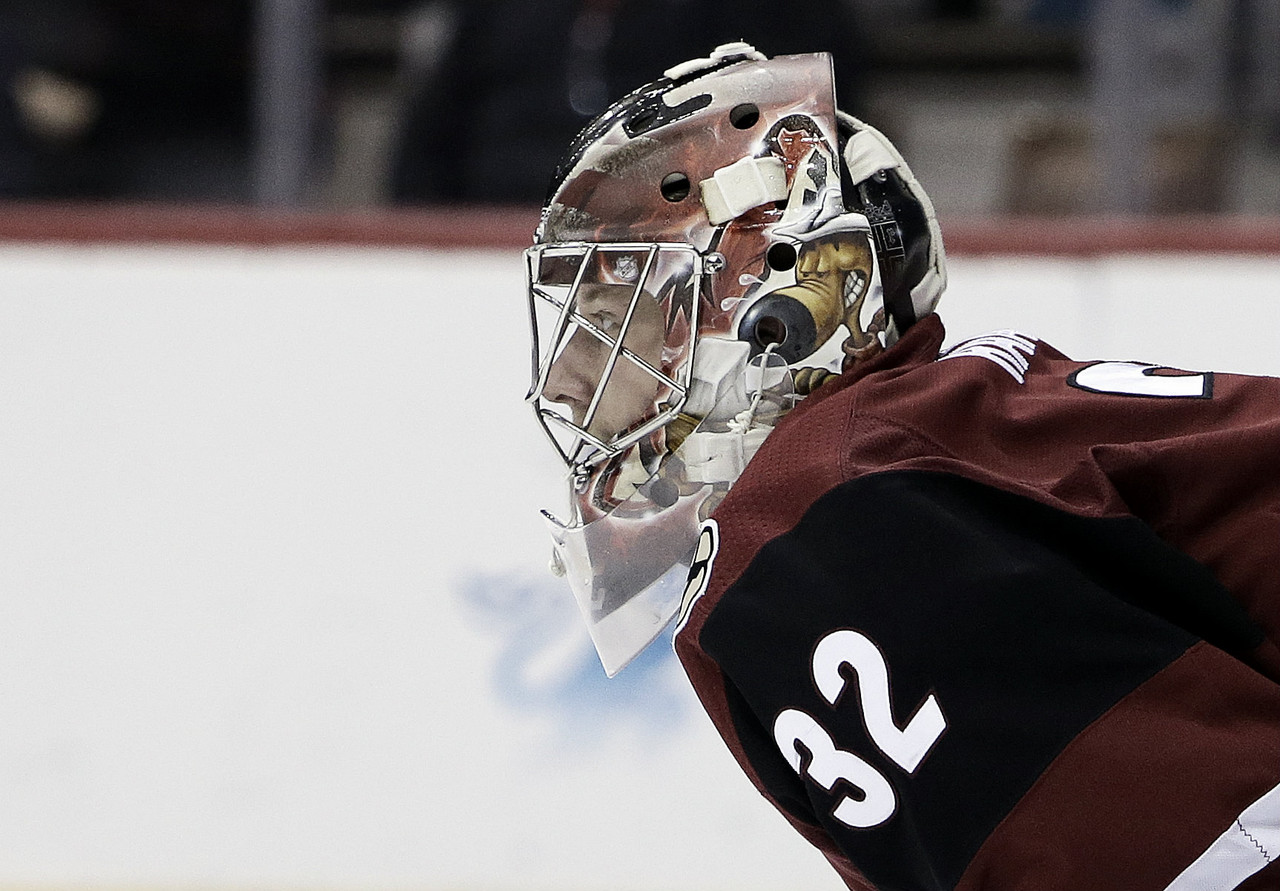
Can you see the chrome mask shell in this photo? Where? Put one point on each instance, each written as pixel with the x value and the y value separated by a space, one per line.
pixel 706 207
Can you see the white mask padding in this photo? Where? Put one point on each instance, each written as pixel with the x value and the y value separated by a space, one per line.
pixel 717 390
pixel 747 183
pixel 713 454
pixel 869 151
pixel 724 51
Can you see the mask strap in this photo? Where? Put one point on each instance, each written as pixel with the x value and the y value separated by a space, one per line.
pixel 743 421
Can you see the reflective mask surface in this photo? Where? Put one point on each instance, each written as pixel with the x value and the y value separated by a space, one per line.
pixel 613 366
pixel 694 245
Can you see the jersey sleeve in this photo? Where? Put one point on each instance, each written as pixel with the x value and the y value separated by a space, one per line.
pixel 1207 480
pixel 1194 455
pixel 995 711
pixel 1008 620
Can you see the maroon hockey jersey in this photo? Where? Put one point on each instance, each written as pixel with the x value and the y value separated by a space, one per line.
pixel 998 619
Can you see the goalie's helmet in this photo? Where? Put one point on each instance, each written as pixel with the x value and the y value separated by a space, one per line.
pixel 703 242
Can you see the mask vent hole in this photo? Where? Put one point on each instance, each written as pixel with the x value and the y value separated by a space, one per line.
pixel 781 256
pixel 744 116
pixel 770 329
pixel 643 120
pixel 675 187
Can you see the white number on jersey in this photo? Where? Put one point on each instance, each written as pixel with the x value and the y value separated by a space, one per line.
pixel 906 746
pixel 829 765
pixel 1141 379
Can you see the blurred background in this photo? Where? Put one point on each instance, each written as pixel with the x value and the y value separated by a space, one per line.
pixel 1003 106
pixel 274 611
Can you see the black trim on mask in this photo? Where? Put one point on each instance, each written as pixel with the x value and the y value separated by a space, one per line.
pixel 899 230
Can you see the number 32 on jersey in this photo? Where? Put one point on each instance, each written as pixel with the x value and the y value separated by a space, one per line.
pixel 829 765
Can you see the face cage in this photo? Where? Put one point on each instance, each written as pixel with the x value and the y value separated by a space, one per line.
pixel 587 450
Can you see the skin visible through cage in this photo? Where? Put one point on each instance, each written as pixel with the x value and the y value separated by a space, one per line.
pixel 630 392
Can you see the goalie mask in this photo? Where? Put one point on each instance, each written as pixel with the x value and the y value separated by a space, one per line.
pixel 704 241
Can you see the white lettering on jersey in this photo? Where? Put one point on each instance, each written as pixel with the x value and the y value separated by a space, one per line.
pixel 704 557
pixel 1008 349
pixel 826 765
pixel 1141 379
